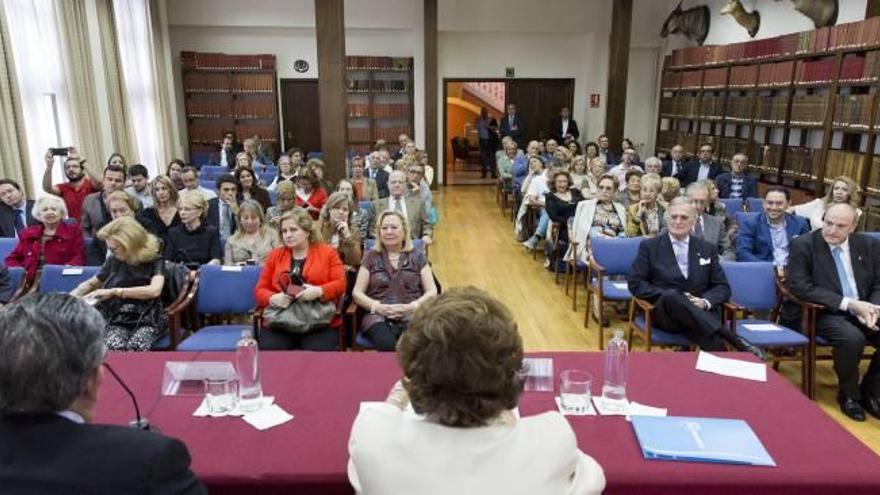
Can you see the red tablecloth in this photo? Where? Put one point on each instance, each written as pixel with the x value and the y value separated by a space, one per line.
pixel 323 391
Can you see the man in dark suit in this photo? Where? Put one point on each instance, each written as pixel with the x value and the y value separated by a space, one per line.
pixel 703 168
pixel 512 125
pixel 51 354
pixel 223 210
pixel 710 228
pixel 412 208
pixel 15 211
pixel 487 130
pixel 605 152
pixel 376 171
pixel 840 270
pixel 767 236
pixel 737 183
pixel 226 155
pixel 676 166
pixel 564 126
pixel 681 276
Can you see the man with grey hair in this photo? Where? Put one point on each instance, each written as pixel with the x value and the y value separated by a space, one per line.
pixel 681 276
pixel 709 227
pixel 51 354
pixel 737 184
pixel 653 165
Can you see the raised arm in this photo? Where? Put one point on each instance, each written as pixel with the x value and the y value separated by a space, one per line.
pixel 48 187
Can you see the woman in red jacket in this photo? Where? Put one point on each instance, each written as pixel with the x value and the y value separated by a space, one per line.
pixel 309 193
pixel 306 261
pixel 52 243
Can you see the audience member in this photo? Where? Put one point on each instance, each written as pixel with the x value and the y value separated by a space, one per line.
pixel 591 150
pixel 462 359
pixel 669 188
pixel 521 166
pixel 840 270
pixel 627 144
pixel 192 242
pixel 677 165
pixel 249 188
pixel 704 168
pixel 627 163
pixel 512 125
pixel 487 131
pixel 632 193
pixel 605 151
pixel 286 172
pixel 377 173
pixel 309 193
pixel 504 162
pixel 647 217
pixel 190 178
pixel 51 355
pixel 393 280
pixel 337 227
pixel 118 160
pixel 50 242
pixel 410 209
pixel 365 188
pixel 16 212
pixel 687 296
pixel 550 147
pixel 598 217
pixel 127 290
pixel 578 171
pixel 315 272
pixel 225 157
pixel 223 210
pixel 715 207
pixel 163 215
pixel 285 201
pixel 360 215
pixel 258 160
pixel 140 185
pixel 842 190
pixel 81 181
pixel 590 185
pixel 737 183
pixel 402 140
pixel 318 166
pixel 708 227
pixel 653 165
pixel 573 147
pixel 243 160
pixel 253 239
pixel 94 207
pixel 119 204
pixel 768 235
pixel 297 158
pixel 564 127
pixel 562 202
pixel 416 186
pixel 422 159
pixel 535 197
pixel 173 173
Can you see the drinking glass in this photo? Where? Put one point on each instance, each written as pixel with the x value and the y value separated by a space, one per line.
pixel 575 390
pixel 221 394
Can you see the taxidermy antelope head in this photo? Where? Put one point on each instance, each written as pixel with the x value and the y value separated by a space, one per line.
pixel 693 23
pixel 749 20
pixel 821 12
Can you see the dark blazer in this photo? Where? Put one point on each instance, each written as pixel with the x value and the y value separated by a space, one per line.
pixel 812 274
pixel 517 131
pixel 693 171
pixel 214 159
pixel 47 453
pixel 655 271
pixel 381 179
pixel 753 241
pixel 556 125
pixel 724 181
pixel 7 218
pixel 7 289
pixel 666 171
pixel 610 159
pixel 213 217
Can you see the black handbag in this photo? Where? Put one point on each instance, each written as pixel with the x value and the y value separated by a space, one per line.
pixel 298 316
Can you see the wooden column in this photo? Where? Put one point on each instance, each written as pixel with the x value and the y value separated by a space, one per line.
pixel 430 33
pixel 872 9
pixel 330 31
pixel 618 67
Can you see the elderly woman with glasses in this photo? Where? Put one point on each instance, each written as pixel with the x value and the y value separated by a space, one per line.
pixel 598 217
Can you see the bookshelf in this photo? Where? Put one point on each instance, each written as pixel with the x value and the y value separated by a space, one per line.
pixel 803 106
pixel 229 93
pixel 380 100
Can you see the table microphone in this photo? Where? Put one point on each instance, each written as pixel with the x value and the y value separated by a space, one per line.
pixel 140 423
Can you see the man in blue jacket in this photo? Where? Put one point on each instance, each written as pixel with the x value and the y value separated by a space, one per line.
pixel 767 235
pixel 737 184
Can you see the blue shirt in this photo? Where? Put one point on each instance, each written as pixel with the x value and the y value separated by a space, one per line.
pixel 780 243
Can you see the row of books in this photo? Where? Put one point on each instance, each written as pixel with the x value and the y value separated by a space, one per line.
pixel 872 213
pixel 729 146
pixel 195 82
pixel 222 61
pixel 231 109
pixel 390 133
pixel 808 110
pixel 253 83
pixel 715 78
pixel 846 163
pixel 668 138
pixel 775 74
pixel 853 111
pixel 379 63
pixel 740 108
pixel 800 162
pixel 770 110
pixel 874 183
pixel 711 107
pixel 392 110
pixel 359 133
pixel 680 105
pixel 358 109
pixel 378 86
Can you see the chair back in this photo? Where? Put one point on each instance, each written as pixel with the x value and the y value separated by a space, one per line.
pixel 752 283
pixel 267 177
pixel 732 205
pixel 208 184
pixel 875 235
pixel 742 216
pixel 59 278
pixel 755 204
pixel 370 243
pixel 201 159
pixel 616 255
pixel 17 277
pixel 227 289
pixel 211 172
pixel 7 244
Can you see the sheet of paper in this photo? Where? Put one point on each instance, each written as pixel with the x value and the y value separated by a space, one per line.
pixel 606 410
pixel 621 285
pixel 72 271
pixel 636 409
pixel 762 327
pixel 202 410
pixel 589 412
pixel 731 367
pixel 267 417
pixel 230 268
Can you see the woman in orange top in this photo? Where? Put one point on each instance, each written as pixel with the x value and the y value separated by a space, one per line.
pixel 305 261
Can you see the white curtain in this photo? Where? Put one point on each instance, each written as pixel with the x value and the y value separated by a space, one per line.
pixel 36 46
pixel 135 50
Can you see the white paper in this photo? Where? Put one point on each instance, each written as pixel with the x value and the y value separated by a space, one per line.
pixel 267 417
pixel 72 271
pixel 202 411
pixel 636 409
pixel 621 285
pixel 565 412
pixel 604 410
pixel 705 261
pixel 762 327
pixel 230 268
pixel 731 367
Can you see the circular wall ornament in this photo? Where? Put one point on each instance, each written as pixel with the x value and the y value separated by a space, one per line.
pixel 300 65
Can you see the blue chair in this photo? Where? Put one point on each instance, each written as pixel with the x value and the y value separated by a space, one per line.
pixel 314 154
pixel 59 278
pixel 755 204
pixel 208 184
pixel 19 282
pixel 732 205
pixel 753 286
pixel 742 216
pixel 212 172
pixel 201 159
pixel 222 290
pixel 7 244
pixel 610 257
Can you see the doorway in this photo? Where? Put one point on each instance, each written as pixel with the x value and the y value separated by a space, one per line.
pixel 538 102
pixel 300 114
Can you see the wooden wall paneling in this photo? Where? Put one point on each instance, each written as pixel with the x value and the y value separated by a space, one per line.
pixel 300 110
pixel 618 68
pixel 330 31
pixel 431 96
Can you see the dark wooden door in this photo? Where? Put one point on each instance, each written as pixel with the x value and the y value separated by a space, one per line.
pixel 538 101
pixel 300 114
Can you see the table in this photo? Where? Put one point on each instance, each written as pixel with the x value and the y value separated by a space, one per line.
pixel 323 391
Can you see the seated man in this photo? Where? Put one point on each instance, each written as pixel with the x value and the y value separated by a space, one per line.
pixel 16 212
pixel 768 235
pixel 51 354
pixel 681 276
pixel 413 209
pixel 190 178
pixel 737 184
pixel 710 227
pixel 840 270
pixel 94 208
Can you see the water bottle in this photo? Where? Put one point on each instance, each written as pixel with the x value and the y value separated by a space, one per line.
pixel 614 383
pixel 247 363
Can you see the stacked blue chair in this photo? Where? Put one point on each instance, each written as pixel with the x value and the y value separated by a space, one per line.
pixel 755 204
pixel 222 290
pixel 59 278
pixel 208 184
pixel 610 257
pixel 212 172
pixel 732 206
pixel 7 244
pixel 199 160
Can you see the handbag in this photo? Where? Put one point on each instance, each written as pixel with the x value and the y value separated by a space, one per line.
pixel 298 316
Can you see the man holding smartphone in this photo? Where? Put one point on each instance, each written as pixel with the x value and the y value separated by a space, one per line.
pixel 80 180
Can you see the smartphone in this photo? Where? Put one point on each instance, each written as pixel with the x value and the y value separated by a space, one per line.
pixel 58 151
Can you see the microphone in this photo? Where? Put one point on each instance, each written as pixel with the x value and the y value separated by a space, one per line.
pixel 141 423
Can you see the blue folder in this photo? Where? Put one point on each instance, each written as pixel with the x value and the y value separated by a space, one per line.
pixel 726 441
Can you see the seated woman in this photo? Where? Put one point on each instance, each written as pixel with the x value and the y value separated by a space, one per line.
pixel 253 239
pixel 310 195
pixel 248 188
pixel 360 217
pixel 313 266
pixel 842 190
pixel 243 160
pixel 163 215
pixel 318 166
pixel 646 218
pixel 632 194
pixel 51 242
pixel 598 217
pixel 286 172
pixel 394 279
pixel 590 183
pixel 562 202
pixel 715 207
pixel 173 172
pixel 119 204
pixel 462 359
pixel 192 242
pixel 128 288
pixel 285 200
pixel 365 188
pixel 336 228
pixel 422 159
pixel 670 188
pixel 578 171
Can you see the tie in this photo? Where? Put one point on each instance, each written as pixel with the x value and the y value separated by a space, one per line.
pixel 841 274
pixel 397 207
pixel 681 256
pixel 698 228
pixel 19 221
pixel 226 221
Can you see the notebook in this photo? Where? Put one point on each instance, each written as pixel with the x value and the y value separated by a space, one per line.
pixel 675 438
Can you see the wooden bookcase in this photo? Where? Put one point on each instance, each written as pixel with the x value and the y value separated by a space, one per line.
pixel 380 100
pixel 229 93
pixel 803 106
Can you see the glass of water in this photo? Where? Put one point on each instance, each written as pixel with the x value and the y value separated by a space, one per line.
pixel 221 394
pixel 575 390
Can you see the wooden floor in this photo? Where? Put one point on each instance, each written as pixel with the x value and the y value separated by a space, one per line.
pixel 475 246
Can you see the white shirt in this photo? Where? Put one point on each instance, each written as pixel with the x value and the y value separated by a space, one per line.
pixel 847 267
pixel 206 193
pixel 538 188
pixel 145 197
pixel 71 415
pixel 703 173
pixel 393 207
pixel 620 171
pixel 564 127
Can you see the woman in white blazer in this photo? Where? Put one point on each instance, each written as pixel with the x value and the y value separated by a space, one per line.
pixel 842 190
pixel 597 217
pixel 461 358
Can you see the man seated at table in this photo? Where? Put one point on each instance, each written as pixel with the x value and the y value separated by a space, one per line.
pixel 840 270
pixel 681 276
pixel 51 352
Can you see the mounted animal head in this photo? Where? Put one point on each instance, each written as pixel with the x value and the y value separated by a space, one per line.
pixel 693 23
pixel 749 20
pixel 821 12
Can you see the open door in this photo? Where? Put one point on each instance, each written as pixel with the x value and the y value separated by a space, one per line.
pixel 300 114
pixel 538 101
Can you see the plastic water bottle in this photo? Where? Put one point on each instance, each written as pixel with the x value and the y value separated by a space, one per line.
pixel 614 383
pixel 247 364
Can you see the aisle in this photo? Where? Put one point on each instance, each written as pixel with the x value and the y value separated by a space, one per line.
pixel 475 246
